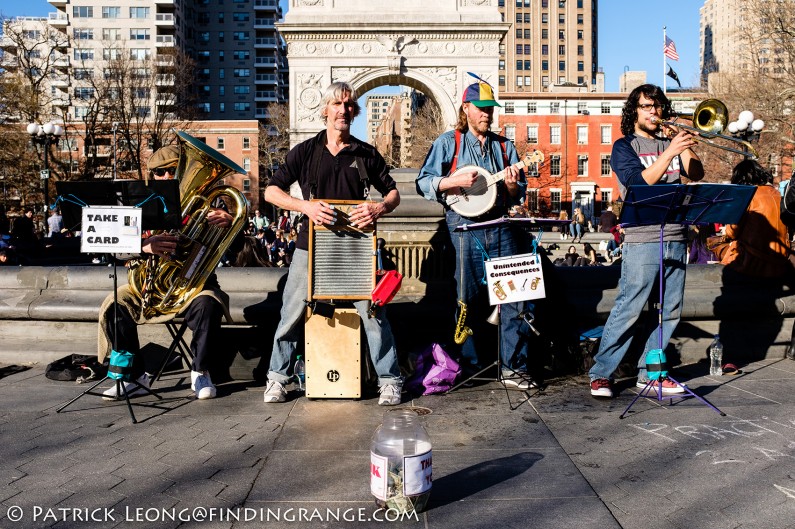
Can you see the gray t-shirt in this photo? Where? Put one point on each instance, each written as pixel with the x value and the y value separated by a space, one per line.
pixel 631 155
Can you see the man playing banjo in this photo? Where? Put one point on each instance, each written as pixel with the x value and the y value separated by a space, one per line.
pixel 453 174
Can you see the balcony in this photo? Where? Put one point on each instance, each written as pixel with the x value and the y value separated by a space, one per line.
pixel 164 80
pixel 58 2
pixel 59 81
pixel 164 60
pixel 61 102
pixel 262 23
pixel 265 62
pixel 265 95
pixel 164 19
pixel 165 100
pixel 164 41
pixel 58 19
pixel 266 4
pixel 164 2
pixel 266 78
pixel 61 61
pixel 265 43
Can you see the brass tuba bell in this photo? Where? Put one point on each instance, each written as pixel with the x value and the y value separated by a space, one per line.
pixel 165 286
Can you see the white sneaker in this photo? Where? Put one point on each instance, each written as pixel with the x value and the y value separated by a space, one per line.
pixel 390 394
pixel 132 389
pixel 201 383
pixel 518 380
pixel 275 392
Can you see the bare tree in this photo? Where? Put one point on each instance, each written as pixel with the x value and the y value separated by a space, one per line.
pixel 426 125
pixel 274 140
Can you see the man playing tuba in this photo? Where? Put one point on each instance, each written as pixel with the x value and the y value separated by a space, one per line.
pixel 202 314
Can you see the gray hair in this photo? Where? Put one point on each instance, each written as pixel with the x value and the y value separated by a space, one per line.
pixel 335 92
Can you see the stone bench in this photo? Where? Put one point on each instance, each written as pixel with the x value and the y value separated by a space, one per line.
pixel 46 312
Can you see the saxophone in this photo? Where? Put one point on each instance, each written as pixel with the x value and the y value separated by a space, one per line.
pixel 165 286
pixel 462 332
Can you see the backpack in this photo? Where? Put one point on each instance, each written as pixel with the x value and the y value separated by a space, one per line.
pixel 434 372
pixel 788 207
pixel 80 368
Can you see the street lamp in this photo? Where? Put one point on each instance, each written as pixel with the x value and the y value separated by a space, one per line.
pixel 44 134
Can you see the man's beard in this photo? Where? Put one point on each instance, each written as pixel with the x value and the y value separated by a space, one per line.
pixel 481 127
pixel 342 126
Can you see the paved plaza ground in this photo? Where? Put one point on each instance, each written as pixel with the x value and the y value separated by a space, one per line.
pixel 561 459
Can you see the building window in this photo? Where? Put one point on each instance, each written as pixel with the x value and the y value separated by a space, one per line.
pixel 527 82
pixel 139 34
pixel 544 34
pixel 580 34
pixel 111 12
pixel 545 49
pixel 532 107
pixel 607 200
pixel 582 134
pixel 554 200
pixel 502 80
pixel 247 184
pixel 241 55
pixel 582 107
pixel 582 165
pixel 519 83
pixel 247 164
pixel 240 17
pixel 527 49
pixel 605 106
pixel 545 65
pixel 219 143
pixel 83 12
pixel 246 142
pixel 519 65
pixel 221 107
pixel 562 66
pixel 527 34
pixel 554 134
pixel 580 66
pixel 82 73
pixel 532 133
pixel 83 34
pixel 510 132
pixel 527 65
pixel 502 64
pixel 518 33
pixel 139 12
pixel 561 49
pixel 240 35
pixel 554 165
pixel 580 19
pixel 245 89
pixel 111 34
pixel 554 107
pixel 509 107
pixel 580 49
pixel 544 81
pixel 519 49
pixel 242 72
pixel 140 54
pixel 84 54
pixel 544 18
pixel 242 107
pixel 606 134
pixel 605 165
pixel 532 200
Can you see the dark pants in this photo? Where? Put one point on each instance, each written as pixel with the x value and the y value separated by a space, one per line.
pixel 203 317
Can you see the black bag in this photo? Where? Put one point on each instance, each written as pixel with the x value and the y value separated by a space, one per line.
pixel 788 207
pixel 81 368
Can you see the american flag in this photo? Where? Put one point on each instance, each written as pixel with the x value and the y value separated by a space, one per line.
pixel 670 49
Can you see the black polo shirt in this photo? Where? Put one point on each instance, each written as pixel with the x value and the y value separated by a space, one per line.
pixel 338 176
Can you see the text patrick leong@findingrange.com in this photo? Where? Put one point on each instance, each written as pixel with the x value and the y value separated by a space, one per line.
pixel 206 514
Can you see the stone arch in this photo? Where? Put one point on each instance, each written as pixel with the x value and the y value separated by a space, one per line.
pixel 371 43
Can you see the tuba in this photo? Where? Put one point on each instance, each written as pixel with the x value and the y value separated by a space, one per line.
pixel 166 285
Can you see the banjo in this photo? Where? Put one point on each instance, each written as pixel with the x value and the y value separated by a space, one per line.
pixel 480 198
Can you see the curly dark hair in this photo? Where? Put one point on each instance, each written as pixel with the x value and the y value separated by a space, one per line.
pixel 750 173
pixel 629 114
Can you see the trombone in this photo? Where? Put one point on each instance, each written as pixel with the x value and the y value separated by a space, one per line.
pixel 710 119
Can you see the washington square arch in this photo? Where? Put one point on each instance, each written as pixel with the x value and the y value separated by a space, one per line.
pixel 426 45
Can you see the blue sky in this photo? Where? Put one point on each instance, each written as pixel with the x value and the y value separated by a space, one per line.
pixel 630 35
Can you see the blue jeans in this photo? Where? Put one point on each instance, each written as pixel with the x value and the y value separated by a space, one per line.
pixel 470 267
pixel 640 275
pixel 376 329
pixel 576 229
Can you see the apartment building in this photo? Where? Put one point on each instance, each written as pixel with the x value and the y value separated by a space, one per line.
pixel 240 58
pixel 551 43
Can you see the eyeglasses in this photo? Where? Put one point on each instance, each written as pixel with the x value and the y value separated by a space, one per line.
pixel 648 106
pixel 161 171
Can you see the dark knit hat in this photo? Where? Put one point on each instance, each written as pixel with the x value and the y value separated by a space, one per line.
pixel 167 156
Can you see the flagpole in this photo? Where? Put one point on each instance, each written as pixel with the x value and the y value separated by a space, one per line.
pixel 665 63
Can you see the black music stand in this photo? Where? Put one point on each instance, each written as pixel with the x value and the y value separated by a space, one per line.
pixel 527 317
pixel 160 209
pixel 681 204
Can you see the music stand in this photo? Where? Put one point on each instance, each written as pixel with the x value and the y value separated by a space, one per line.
pixel 159 203
pixel 684 204
pixel 524 222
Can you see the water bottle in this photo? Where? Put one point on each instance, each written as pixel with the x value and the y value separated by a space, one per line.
pixel 401 463
pixel 299 373
pixel 716 357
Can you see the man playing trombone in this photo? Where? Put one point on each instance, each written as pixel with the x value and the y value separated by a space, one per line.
pixel 646 156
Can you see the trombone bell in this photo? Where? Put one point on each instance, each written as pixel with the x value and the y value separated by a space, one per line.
pixel 494 319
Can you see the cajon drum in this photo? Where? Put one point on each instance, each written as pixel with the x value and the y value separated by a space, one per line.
pixel 333 355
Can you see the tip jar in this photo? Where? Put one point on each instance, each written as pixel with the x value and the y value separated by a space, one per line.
pixel 401 464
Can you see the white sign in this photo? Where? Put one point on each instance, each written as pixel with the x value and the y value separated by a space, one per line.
pixel 111 229
pixel 516 278
pixel 418 472
pixel 378 475
pixel 44 174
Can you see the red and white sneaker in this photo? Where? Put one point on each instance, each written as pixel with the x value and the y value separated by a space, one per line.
pixel 601 387
pixel 669 387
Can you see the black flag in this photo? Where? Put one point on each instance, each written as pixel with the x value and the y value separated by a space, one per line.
pixel 672 74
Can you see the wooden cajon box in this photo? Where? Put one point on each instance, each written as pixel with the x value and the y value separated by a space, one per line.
pixel 333 355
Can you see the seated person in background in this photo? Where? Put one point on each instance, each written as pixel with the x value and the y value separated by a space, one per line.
pixel 251 255
pixel 203 313
pixel 570 259
pixel 697 240
pixel 589 259
pixel 607 220
pixel 759 243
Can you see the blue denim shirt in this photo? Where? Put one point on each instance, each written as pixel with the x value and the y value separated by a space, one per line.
pixel 489 156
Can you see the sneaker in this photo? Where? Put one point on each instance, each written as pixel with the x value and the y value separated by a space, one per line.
pixel 601 387
pixel 669 387
pixel 275 392
pixel 390 395
pixel 518 380
pixel 132 389
pixel 201 383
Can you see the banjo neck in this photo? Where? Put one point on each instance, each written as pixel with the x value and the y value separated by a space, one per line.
pixel 496 177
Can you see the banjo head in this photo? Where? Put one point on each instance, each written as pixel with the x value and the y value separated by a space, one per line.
pixel 477 199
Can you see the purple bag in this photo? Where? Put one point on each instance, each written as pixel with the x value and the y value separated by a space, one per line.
pixel 435 371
